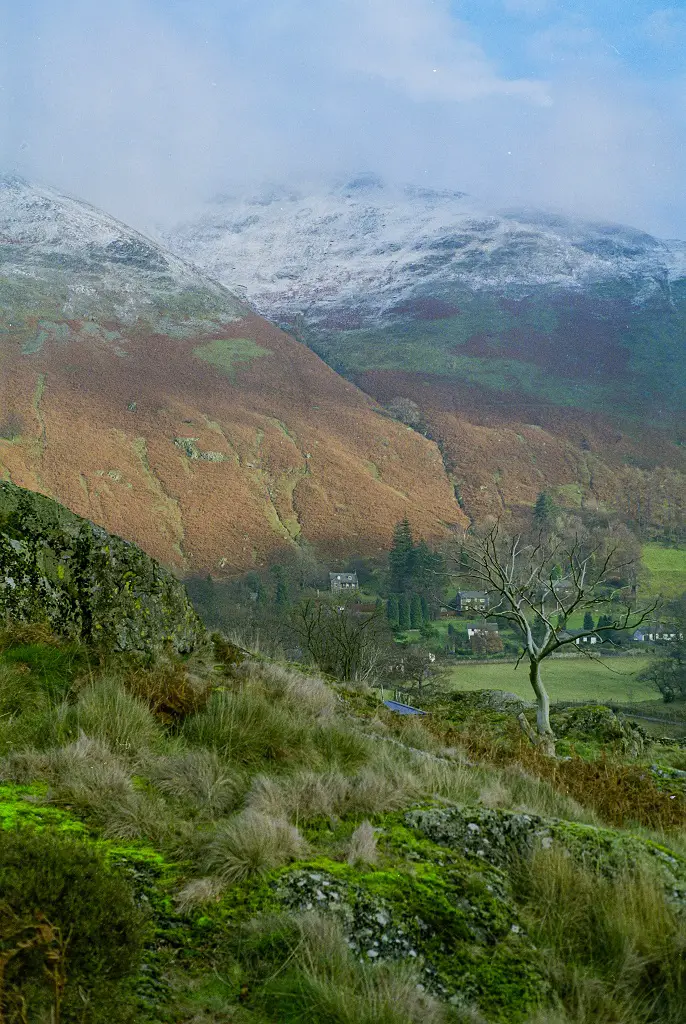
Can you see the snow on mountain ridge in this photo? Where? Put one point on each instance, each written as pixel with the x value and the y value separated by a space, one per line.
pixel 370 246
pixel 44 233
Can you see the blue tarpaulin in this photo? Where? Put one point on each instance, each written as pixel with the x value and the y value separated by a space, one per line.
pixel 403 709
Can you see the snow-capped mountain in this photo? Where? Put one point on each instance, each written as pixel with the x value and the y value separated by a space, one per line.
pixel 90 264
pixel 144 395
pixel 368 246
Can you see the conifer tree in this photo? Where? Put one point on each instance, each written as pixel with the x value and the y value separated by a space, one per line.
pixel 588 621
pixel 392 610
pixel 544 510
pixel 403 612
pixel 401 557
pixel 416 617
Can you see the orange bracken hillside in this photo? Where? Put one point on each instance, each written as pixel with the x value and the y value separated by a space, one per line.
pixel 211 452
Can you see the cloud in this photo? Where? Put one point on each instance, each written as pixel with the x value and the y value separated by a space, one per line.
pixel 420 49
pixel 145 108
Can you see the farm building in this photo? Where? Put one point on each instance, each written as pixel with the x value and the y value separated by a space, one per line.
pixel 343 581
pixel 471 601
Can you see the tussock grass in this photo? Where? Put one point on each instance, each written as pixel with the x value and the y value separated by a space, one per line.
pixel 362 849
pixel 136 815
pixel 105 711
pixel 251 844
pixel 199 779
pixel 85 772
pixel 247 728
pixel 314 977
pixel 616 948
pixel 198 892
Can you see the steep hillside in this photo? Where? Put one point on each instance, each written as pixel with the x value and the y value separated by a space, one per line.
pixel 148 398
pixel 538 350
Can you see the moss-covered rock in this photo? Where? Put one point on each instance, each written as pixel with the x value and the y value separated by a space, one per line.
pixel 87 583
pixel 601 724
pixel 500 837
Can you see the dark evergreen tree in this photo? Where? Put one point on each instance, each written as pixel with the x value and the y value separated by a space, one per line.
pixel 401 558
pixel 403 612
pixel 588 621
pixel 426 613
pixel 416 617
pixel 544 510
pixel 392 610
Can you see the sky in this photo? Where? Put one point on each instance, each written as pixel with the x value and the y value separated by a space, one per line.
pixel 148 107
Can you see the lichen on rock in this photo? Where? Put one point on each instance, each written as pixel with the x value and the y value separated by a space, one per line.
pixel 86 583
pixel 500 837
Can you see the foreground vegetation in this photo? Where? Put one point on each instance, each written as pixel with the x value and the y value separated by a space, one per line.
pixel 216 839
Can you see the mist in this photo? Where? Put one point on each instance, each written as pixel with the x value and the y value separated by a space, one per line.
pixel 148 108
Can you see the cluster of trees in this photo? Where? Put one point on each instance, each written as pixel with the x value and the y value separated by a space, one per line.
pixel 653 502
pixel 415 580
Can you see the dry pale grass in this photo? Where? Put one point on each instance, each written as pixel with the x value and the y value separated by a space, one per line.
pixel 389 784
pixel 86 772
pixel 105 711
pixel 251 844
pixel 197 893
pixel 362 848
pixel 197 778
pixel 308 693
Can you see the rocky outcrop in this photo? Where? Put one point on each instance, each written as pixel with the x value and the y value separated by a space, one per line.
pixel 84 582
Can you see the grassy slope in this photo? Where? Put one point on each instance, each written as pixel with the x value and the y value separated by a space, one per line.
pixel 612 679
pixel 666 569
pixel 203 817
pixel 552 345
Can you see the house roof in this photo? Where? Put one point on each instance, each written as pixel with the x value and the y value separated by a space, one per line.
pixel 471 594
pixel 343 577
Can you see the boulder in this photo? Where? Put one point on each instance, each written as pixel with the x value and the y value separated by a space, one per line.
pixel 85 583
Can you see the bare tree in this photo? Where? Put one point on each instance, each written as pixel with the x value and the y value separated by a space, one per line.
pixel 416 671
pixel 538 586
pixel 340 640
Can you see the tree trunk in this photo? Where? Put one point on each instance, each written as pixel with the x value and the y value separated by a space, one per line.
pixel 546 737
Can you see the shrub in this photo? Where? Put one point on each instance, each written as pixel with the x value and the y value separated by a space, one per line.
pixel 16 634
pixel 169 689
pixel 83 934
pixel 250 845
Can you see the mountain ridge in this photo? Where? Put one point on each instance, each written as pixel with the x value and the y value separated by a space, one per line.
pixel 151 400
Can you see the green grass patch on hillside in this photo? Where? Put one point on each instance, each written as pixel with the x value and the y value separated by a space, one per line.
pixel 230 354
pixel 666 569
pixel 610 679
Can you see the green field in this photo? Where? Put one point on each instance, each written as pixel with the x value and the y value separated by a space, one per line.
pixel 666 569
pixel 610 679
